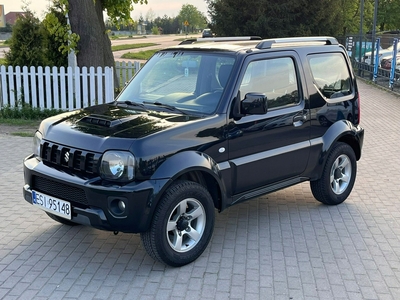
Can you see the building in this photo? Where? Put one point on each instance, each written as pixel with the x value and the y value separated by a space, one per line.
pixel 12 16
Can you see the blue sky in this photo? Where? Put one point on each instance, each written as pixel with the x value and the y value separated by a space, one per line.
pixel 159 7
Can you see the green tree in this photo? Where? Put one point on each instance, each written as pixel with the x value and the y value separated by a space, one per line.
pixel 121 24
pixel 315 19
pixel 281 18
pixel 27 42
pixel 389 15
pixel 189 13
pixel 350 12
pixel 131 24
pixel 35 43
pixel 155 30
pixel 238 17
pixel 57 38
pixel 167 24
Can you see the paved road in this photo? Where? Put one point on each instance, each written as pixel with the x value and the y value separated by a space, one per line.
pixel 163 41
pixel 281 246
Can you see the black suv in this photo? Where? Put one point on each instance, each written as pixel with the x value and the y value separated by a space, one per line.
pixel 202 126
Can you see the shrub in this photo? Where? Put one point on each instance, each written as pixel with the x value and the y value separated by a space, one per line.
pixel 25 111
pixel 26 43
pixel 35 43
pixel 56 38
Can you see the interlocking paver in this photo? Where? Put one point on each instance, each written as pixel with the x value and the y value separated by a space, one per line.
pixel 284 245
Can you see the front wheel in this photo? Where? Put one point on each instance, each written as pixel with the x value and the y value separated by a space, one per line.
pixel 338 176
pixel 182 225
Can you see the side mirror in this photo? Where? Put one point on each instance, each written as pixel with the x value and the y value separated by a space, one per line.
pixel 254 104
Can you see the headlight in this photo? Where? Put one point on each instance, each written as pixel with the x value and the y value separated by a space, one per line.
pixel 37 139
pixel 117 165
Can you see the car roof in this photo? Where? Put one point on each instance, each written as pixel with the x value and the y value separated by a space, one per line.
pixel 236 44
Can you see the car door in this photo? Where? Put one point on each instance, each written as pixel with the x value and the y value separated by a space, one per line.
pixel 270 148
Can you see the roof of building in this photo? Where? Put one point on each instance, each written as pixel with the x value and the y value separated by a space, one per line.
pixel 12 16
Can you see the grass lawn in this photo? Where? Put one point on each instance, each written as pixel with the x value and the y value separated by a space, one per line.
pixel 20 122
pixel 131 46
pixel 115 48
pixel 18 127
pixel 142 55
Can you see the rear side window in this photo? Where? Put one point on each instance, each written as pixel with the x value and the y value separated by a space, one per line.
pixel 276 78
pixel 331 74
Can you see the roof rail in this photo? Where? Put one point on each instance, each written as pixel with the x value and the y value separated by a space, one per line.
pixel 267 44
pixel 221 39
pixel 229 38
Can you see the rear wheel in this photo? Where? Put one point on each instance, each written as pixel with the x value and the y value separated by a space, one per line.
pixel 338 176
pixel 182 225
pixel 61 220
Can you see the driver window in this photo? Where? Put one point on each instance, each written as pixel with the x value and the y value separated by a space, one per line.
pixel 276 78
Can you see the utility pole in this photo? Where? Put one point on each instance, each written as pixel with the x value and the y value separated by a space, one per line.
pixel 361 33
pixel 374 34
pixel 71 54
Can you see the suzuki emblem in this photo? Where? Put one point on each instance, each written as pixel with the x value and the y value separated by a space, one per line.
pixel 66 157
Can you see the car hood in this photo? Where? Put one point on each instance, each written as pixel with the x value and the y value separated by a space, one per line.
pixel 100 127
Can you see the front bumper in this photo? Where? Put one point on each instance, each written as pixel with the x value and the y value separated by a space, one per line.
pixel 93 203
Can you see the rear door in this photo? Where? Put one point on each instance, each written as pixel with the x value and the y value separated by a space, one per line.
pixel 266 149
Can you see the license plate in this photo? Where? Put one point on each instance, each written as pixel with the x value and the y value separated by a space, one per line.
pixel 52 205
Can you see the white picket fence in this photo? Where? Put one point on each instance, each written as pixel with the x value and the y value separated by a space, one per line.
pixel 126 70
pixel 61 88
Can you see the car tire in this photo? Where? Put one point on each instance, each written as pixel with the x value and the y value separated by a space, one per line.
pixel 61 220
pixel 182 225
pixel 338 176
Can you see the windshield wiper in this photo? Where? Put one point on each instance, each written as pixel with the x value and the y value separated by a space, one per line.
pixel 167 106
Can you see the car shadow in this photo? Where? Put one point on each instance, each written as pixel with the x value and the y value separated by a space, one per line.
pixel 286 224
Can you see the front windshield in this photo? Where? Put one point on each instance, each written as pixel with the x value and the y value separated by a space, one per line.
pixel 189 81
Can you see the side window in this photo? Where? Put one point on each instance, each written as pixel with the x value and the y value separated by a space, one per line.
pixel 213 74
pixel 223 70
pixel 276 78
pixel 331 75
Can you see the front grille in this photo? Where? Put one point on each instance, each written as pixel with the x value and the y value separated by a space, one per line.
pixel 59 190
pixel 70 158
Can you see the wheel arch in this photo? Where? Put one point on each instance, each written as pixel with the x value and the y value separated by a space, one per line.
pixel 341 131
pixel 352 142
pixel 192 166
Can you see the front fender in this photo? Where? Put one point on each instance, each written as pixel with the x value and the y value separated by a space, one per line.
pixel 343 131
pixel 191 161
pixel 185 161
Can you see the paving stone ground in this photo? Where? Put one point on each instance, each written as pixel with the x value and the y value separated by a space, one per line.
pixel 285 245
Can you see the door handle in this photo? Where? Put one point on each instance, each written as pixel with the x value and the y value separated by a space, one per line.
pixel 299 120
